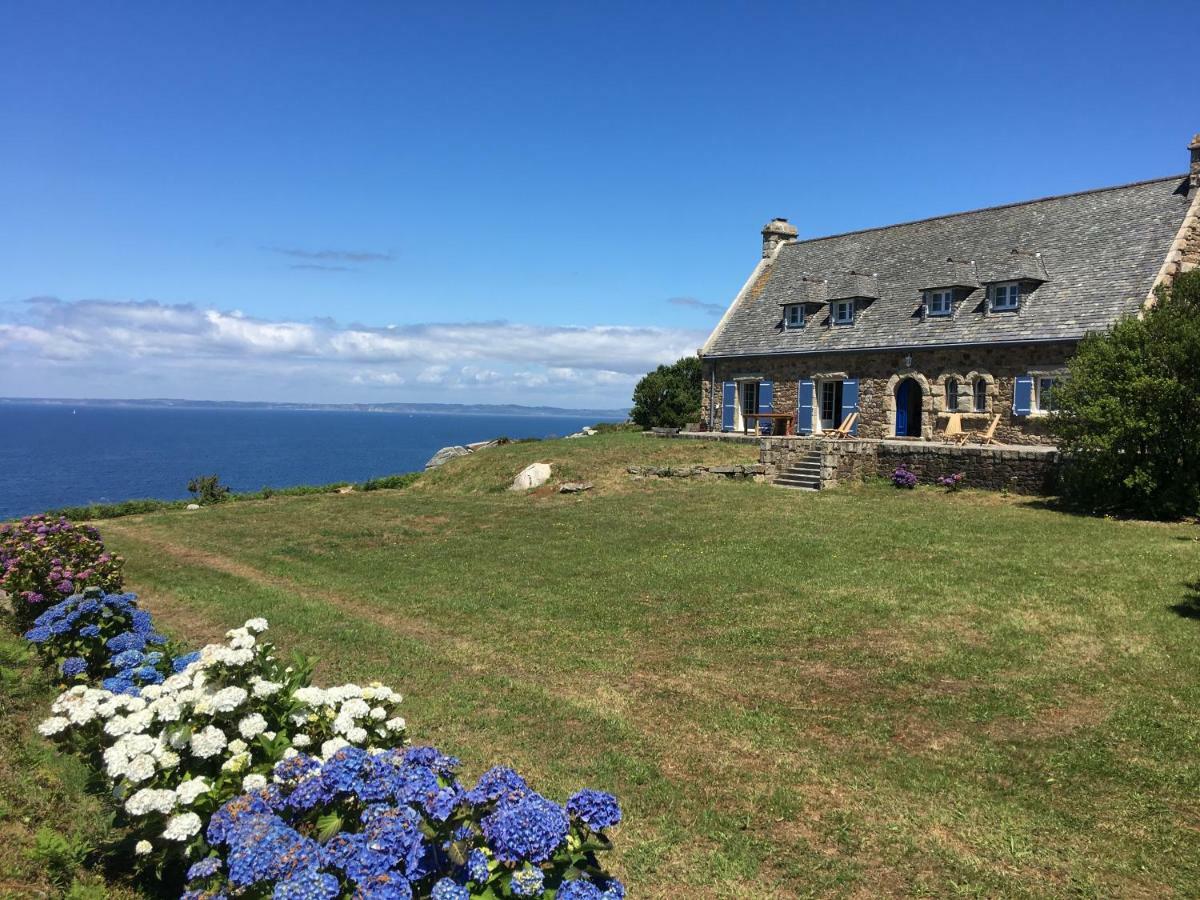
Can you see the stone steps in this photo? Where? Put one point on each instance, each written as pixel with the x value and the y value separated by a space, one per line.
pixel 804 475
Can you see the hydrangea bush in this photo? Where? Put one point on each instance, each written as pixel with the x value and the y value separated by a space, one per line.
pixel 174 752
pixel 904 477
pixel 43 560
pixel 95 636
pixel 951 482
pixel 398 824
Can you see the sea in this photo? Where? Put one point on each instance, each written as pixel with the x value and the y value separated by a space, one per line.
pixel 53 456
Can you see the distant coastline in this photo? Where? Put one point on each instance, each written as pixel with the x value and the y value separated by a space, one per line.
pixel 455 409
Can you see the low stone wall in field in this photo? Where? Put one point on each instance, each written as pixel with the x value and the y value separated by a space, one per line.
pixel 756 471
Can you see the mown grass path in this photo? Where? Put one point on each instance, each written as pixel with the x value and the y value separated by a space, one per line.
pixel 863 692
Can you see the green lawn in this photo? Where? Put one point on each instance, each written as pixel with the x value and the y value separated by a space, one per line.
pixel 860 692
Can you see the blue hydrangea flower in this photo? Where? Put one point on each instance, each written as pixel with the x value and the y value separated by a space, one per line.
pixel 179 663
pixel 307 884
pixel 74 665
pixel 528 882
pixel 500 784
pixel 126 640
pixel 477 867
pixel 126 659
pixel 205 868
pixel 611 889
pixel 531 829
pixel 596 809
pixel 578 890
pixel 38 634
pixel 89 631
pixel 447 889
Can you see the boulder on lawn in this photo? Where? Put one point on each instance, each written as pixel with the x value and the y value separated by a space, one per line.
pixel 446 454
pixel 192 506
pixel 531 476
pixel 574 487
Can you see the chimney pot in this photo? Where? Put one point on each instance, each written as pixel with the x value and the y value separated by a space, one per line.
pixel 777 231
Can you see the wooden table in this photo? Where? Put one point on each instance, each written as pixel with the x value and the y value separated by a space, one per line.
pixel 787 419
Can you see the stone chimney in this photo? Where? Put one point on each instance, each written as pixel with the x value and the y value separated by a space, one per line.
pixel 778 231
pixel 1194 146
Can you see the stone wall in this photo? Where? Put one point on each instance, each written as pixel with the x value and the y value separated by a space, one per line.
pixel 1023 470
pixel 879 372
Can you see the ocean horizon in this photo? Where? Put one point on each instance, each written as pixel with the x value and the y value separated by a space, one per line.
pixel 75 455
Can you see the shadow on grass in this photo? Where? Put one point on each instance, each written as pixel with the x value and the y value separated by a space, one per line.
pixel 1189 607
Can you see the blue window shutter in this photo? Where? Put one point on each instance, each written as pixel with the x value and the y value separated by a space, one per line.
pixel 766 393
pixel 850 401
pixel 728 399
pixel 1023 395
pixel 804 408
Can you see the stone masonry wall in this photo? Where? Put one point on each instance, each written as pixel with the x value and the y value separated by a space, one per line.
pixel 879 373
pixel 1025 470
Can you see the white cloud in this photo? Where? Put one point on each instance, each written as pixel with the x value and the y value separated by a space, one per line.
pixel 182 344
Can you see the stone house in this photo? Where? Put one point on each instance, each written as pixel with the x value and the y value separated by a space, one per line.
pixel 975 312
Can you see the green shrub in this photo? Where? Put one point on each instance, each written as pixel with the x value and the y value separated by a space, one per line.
pixel 1129 415
pixel 208 489
pixel 668 397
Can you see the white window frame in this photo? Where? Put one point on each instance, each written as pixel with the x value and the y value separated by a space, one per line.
pixel 835 314
pixel 1055 381
pixel 1012 296
pixel 934 301
pixel 797 308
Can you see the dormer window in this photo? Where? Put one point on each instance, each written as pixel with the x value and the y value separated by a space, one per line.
pixel 1006 296
pixel 793 315
pixel 939 303
pixel 843 312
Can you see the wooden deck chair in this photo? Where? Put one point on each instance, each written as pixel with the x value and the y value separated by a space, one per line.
pixel 954 433
pixel 989 436
pixel 843 430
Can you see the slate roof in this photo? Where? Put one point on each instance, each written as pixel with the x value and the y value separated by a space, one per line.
pixel 1099 254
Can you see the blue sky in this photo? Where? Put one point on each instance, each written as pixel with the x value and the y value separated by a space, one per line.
pixel 504 202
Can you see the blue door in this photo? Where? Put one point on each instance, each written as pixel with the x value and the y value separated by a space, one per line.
pixel 902 391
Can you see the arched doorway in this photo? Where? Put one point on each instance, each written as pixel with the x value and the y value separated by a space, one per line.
pixel 908 408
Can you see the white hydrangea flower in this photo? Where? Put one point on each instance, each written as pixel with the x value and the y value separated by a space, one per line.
pixel 310 695
pixel 332 746
pixel 236 763
pixel 140 768
pixel 290 752
pixel 152 691
pixel 228 699
pixel 237 745
pixel 182 826
pixel 254 782
pixel 208 742
pixel 149 800
pixel 356 735
pixel 301 740
pixel 178 682
pixel 378 713
pixel 260 687
pixel 167 759
pixel 53 725
pixel 191 789
pixel 269 735
pixel 396 724
pixel 252 726
pixel 166 709
pixel 257 625
pixel 141 848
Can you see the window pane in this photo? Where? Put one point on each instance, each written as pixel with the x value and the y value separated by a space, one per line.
pixel 980 395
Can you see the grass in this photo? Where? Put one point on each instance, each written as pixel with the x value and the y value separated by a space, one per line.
pixel 50 824
pixel 861 692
